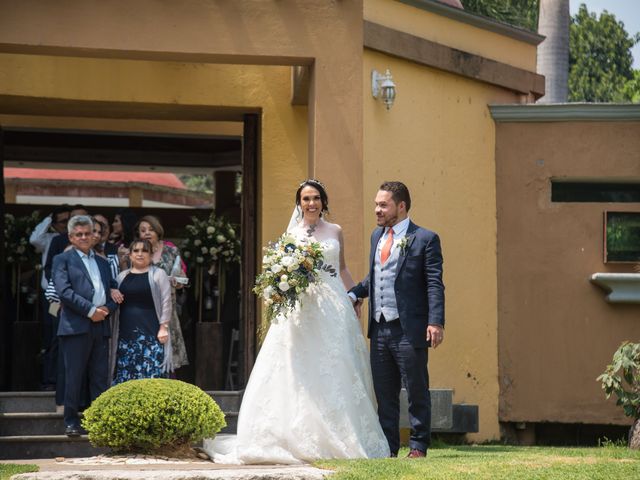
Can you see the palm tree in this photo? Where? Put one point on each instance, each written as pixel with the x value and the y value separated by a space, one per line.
pixel 553 52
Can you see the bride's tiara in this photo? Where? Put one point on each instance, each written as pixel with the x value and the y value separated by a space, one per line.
pixel 312 180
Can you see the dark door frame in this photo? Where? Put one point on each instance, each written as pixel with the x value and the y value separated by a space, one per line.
pixel 250 161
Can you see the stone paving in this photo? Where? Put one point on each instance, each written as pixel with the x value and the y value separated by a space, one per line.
pixel 145 467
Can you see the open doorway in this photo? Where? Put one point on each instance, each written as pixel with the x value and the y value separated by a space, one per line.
pixel 174 177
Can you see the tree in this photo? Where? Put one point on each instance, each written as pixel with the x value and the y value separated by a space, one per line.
pixel 553 52
pixel 520 13
pixel 599 58
pixel 632 88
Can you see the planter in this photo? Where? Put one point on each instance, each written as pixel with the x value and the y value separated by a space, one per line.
pixel 209 348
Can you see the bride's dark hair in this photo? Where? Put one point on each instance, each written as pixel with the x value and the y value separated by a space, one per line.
pixel 318 185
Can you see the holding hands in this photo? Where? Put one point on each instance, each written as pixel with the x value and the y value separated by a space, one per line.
pixel 100 314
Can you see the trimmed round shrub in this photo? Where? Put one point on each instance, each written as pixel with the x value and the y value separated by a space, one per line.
pixel 152 415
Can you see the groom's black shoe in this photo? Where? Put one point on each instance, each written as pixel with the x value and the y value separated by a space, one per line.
pixel 415 453
pixel 393 455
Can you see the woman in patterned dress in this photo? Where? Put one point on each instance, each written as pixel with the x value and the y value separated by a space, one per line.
pixel 142 324
pixel 165 255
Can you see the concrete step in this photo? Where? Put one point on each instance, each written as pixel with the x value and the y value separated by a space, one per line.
pixel 446 416
pixel 22 437
pixel 47 424
pixel 46 446
pixel 21 402
pixel 27 402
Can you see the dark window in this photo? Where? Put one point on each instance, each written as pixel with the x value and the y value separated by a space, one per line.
pixel 595 192
pixel 622 237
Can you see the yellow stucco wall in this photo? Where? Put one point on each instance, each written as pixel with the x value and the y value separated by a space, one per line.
pixel 284 127
pixel 439 139
pixel 446 31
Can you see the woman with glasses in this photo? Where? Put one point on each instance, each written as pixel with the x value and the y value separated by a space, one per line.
pixel 141 327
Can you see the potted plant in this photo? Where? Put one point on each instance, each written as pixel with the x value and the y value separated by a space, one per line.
pixel 622 377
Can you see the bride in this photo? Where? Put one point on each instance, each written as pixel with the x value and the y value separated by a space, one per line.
pixel 310 394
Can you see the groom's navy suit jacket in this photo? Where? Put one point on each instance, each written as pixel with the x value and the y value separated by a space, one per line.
pixel 418 284
pixel 75 289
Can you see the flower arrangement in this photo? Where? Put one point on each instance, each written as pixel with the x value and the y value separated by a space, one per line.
pixel 289 266
pixel 403 244
pixel 18 250
pixel 210 240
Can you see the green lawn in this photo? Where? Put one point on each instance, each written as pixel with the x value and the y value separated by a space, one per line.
pixel 8 469
pixel 496 462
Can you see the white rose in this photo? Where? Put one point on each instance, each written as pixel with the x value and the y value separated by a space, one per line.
pixel 265 260
pixel 284 286
pixel 204 250
pixel 287 261
pixel 268 292
pixel 199 259
pixel 211 230
pixel 231 232
pixel 186 254
pixel 284 278
pixel 197 242
pixel 221 239
pixel 277 268
pixel 213 250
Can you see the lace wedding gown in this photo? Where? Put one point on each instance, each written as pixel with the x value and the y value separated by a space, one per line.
pixel 310 394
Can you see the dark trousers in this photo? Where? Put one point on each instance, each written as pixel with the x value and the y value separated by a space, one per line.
pixel 394 363
pixel 85 356
pixel 49 345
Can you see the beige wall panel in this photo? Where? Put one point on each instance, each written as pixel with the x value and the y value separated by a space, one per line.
pixel 557 333
pixel 451 33
pixel 438 138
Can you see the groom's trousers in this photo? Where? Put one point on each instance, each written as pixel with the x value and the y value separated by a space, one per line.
pixel 396 363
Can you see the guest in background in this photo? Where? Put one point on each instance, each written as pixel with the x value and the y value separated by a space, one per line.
pixel 82 281
pixel 102 247
pixel 123 232
pixel 141 336
pixel 107 247
pixel 166 256
pixel 51 226
pixel 61 241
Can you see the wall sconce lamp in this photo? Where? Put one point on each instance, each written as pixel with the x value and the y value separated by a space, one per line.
pixel 382 87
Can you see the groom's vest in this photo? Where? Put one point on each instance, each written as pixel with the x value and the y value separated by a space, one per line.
pixel 384 280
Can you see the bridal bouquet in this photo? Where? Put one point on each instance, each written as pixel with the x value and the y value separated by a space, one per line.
pixel 289 266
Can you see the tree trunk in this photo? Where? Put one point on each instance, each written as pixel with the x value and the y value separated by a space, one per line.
pixel 553 52
pixel 634 435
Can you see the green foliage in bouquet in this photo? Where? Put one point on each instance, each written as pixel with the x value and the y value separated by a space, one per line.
pixel 17 231
pixel 210 240
pixel 152 415
pixel 289 266
pixel 622 377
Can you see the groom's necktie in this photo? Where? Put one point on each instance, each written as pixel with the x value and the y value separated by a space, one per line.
pixel 386 248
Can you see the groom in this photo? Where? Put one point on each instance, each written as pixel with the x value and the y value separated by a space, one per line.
pixel 406 314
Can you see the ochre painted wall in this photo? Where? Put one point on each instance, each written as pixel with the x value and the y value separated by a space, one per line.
pixel 438 138
pixel 452 33
pixel 284 127
pixel 557 332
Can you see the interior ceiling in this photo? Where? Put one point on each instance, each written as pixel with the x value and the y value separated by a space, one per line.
pixel 104 150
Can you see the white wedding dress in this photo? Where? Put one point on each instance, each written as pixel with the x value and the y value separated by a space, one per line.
pixel 310 395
